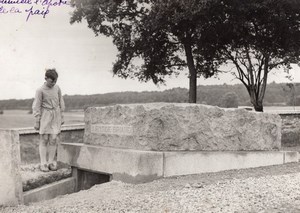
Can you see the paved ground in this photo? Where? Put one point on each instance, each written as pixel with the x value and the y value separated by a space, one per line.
pixel 265 189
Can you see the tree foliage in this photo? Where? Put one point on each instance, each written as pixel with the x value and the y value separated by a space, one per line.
pixel 256 37
pixel 154 38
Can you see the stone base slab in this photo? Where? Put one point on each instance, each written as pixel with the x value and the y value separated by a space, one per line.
pixel 185 163
pixel 136 166
pixel 123 164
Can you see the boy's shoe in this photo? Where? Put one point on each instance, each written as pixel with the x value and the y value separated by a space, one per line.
pixel 44 168
pixel 52 167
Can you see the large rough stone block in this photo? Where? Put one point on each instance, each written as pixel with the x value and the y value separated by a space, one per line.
pixel 290 132
pixel 165 126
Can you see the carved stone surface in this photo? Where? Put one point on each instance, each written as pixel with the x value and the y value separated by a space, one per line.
pixel 112 129
pixel 166 126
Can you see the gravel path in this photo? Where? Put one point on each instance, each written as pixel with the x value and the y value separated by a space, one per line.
pixel 265 189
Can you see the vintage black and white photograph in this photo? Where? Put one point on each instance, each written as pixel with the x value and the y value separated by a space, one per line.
pixel 150 106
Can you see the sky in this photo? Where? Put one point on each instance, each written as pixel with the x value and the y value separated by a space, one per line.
pixel 30 43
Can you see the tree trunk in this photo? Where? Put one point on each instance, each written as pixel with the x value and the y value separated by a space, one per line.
pixel 192 72
pixel 258 103
pixel 258 106
pixel 255 99
pixel 257 88
pixel 193 86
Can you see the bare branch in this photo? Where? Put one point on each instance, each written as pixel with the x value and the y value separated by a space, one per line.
pixel 259 80
pixel 260 65
pixel 240 71
pixel 250 68
pixel 265 78
pixel 242 62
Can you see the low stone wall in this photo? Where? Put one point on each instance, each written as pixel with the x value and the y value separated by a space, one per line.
pixel 20 146
pixel 10 178
pixel 178 127
pixel 29 141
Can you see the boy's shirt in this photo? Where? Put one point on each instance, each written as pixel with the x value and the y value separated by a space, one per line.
pixel 48 98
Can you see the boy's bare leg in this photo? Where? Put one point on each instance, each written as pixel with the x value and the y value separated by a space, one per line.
pixel 52 151
pixel 43 150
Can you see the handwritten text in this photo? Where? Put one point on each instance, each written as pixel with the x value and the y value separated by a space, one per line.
pixel 39 8
pixel 15 2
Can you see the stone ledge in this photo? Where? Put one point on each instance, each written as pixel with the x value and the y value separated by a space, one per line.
pixel 137 166
pixel 186 163
pixel 49 191
pixel 33 177
pixel 26 131
pixel 123 164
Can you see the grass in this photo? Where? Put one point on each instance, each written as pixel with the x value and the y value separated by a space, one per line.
pixel 21 118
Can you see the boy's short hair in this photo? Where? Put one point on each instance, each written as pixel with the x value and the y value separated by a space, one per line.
pixel 51 73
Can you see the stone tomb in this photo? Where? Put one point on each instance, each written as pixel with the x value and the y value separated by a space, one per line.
pixel 173 127
pixel 143 142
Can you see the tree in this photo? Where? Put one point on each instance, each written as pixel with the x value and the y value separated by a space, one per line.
pixel 154 38
pixel 256 37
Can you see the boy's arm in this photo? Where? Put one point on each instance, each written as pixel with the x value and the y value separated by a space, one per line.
pixel 61 105
pixel 36 108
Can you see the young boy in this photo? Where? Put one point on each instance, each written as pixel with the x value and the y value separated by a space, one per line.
pixel 47 109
